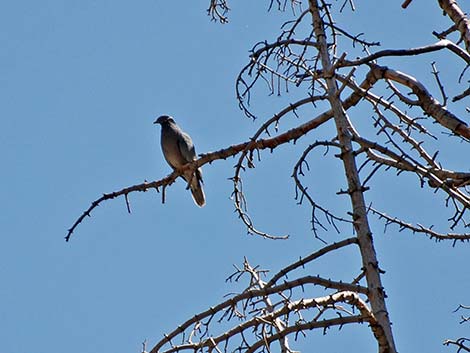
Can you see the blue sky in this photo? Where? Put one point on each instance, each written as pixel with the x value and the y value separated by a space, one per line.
pixel 81 83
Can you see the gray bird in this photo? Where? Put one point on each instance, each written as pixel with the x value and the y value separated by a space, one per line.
pixel 178 149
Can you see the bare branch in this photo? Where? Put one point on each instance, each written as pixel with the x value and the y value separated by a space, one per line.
pixel 427 102
pixel 460 343
pixel 329 216
pixel 345 295
pixel 421 229
pixel 442 44
pixel 461 21
pixel 218 10
pixel 309 258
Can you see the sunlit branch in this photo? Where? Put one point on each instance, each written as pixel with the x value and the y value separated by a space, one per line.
pixel 427 102
pixel 348 293
pixel 459 18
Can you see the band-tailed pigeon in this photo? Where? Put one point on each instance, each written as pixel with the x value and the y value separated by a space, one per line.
pixel 178 149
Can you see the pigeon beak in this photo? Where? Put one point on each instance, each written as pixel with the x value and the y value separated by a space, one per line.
pixel 156 121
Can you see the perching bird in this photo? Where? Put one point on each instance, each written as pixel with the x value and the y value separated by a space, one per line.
pixel 178 149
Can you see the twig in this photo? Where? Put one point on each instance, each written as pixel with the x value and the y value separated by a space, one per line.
pixel 439 83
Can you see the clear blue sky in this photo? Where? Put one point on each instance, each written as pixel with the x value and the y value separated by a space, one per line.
pixel 80 85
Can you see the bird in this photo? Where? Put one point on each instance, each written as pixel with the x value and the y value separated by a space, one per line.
pixel 178 149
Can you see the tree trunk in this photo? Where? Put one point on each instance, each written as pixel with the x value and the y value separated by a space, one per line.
pixel 382 329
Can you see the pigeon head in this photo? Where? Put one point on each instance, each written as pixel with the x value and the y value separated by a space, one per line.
pixel 164 119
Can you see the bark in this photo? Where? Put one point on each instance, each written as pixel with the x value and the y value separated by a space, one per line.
pixel 382 328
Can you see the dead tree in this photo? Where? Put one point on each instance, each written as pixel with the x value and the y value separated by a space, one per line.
pixel 331 73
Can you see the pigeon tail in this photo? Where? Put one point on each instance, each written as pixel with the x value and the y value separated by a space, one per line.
pixel 198 192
